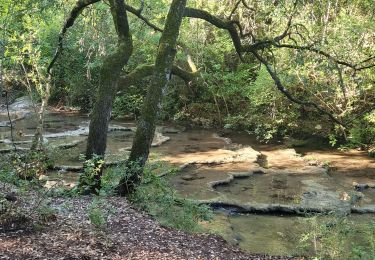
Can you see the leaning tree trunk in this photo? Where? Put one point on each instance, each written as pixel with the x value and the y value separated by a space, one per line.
pixel 146 124
pixel 109 77
pixel 37 143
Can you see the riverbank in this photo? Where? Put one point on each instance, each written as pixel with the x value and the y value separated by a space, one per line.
pixel 69 233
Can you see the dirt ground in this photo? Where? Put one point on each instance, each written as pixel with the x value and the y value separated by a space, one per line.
pixel 127 234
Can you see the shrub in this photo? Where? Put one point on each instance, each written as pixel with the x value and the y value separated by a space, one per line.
pixel 337 237
pixel 88 178
pixel 156 197
pixel 129 103
pixel 99 212
pixel 363 132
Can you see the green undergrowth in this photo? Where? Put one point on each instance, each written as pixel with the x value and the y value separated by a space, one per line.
pixel 161 201
pixel 337 237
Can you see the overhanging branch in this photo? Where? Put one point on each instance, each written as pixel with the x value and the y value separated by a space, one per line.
pixel 138 13
pixel 147 70
pixel 327 55
pixel 74 13
pixel 286 93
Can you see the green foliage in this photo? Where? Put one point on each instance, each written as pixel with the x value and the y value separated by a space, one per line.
pixel 156 197
pixel 45 213
pixel 338 237
pixel 89 177
pixel 28 166
pixel 363 132
pixel 112 176
pixel 199 114
pixel 110 180
pixel 8 175
pixel 98 213
pixel 129 103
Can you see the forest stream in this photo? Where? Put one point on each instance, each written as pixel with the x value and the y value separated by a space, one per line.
pixel 261 192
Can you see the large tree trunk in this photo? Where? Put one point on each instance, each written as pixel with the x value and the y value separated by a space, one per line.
pixel 109 77
pixel 162 73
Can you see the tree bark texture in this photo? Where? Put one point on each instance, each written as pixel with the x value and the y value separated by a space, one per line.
pixel 161 74
pixel 109 78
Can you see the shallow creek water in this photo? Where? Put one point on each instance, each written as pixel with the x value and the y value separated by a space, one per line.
pixel 235 169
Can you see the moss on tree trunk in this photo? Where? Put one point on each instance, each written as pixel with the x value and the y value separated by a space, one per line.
pixel 109 77
pixel 162 72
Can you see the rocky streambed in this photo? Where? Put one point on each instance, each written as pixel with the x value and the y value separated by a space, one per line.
pixel 261 192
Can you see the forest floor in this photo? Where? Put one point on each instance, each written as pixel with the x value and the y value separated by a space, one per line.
pixel 126 234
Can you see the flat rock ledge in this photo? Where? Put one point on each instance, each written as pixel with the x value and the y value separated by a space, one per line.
pixel 79 168
pixel 263 208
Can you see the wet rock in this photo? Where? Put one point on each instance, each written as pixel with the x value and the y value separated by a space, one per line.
pixel 264 208
pixel 279 182
pixel 172 130
pixel 113 128
pixel 363 186
pixel 191 177
pixel 231 177
pixel 159 139
pixel 319 196
pixel 71 144
pixel 259 171
pixel 363 209
pixel 191 148
pixel 21 103
pixel 50 184
pixel 246 188
pixel 226 140
pixel 309 194
pixel 4 123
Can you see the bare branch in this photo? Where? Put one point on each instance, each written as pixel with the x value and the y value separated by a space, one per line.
pixel 366 60
pixel 138 13
pixel 286 31
pixel 286 93
pixel 247 6
pixel 234 9
pixel 327 55
pixel 218 22
pixel 74 13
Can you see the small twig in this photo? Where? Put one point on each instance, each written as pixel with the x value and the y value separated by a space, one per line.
pixel 10 120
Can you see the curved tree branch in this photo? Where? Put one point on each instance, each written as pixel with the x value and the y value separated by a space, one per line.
pixel 147 70
pixel 253 48
pixel 138 13
pixel 355 67
pixel 286 93
pixel 74 13
pixel 219 23
pixel 234 9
